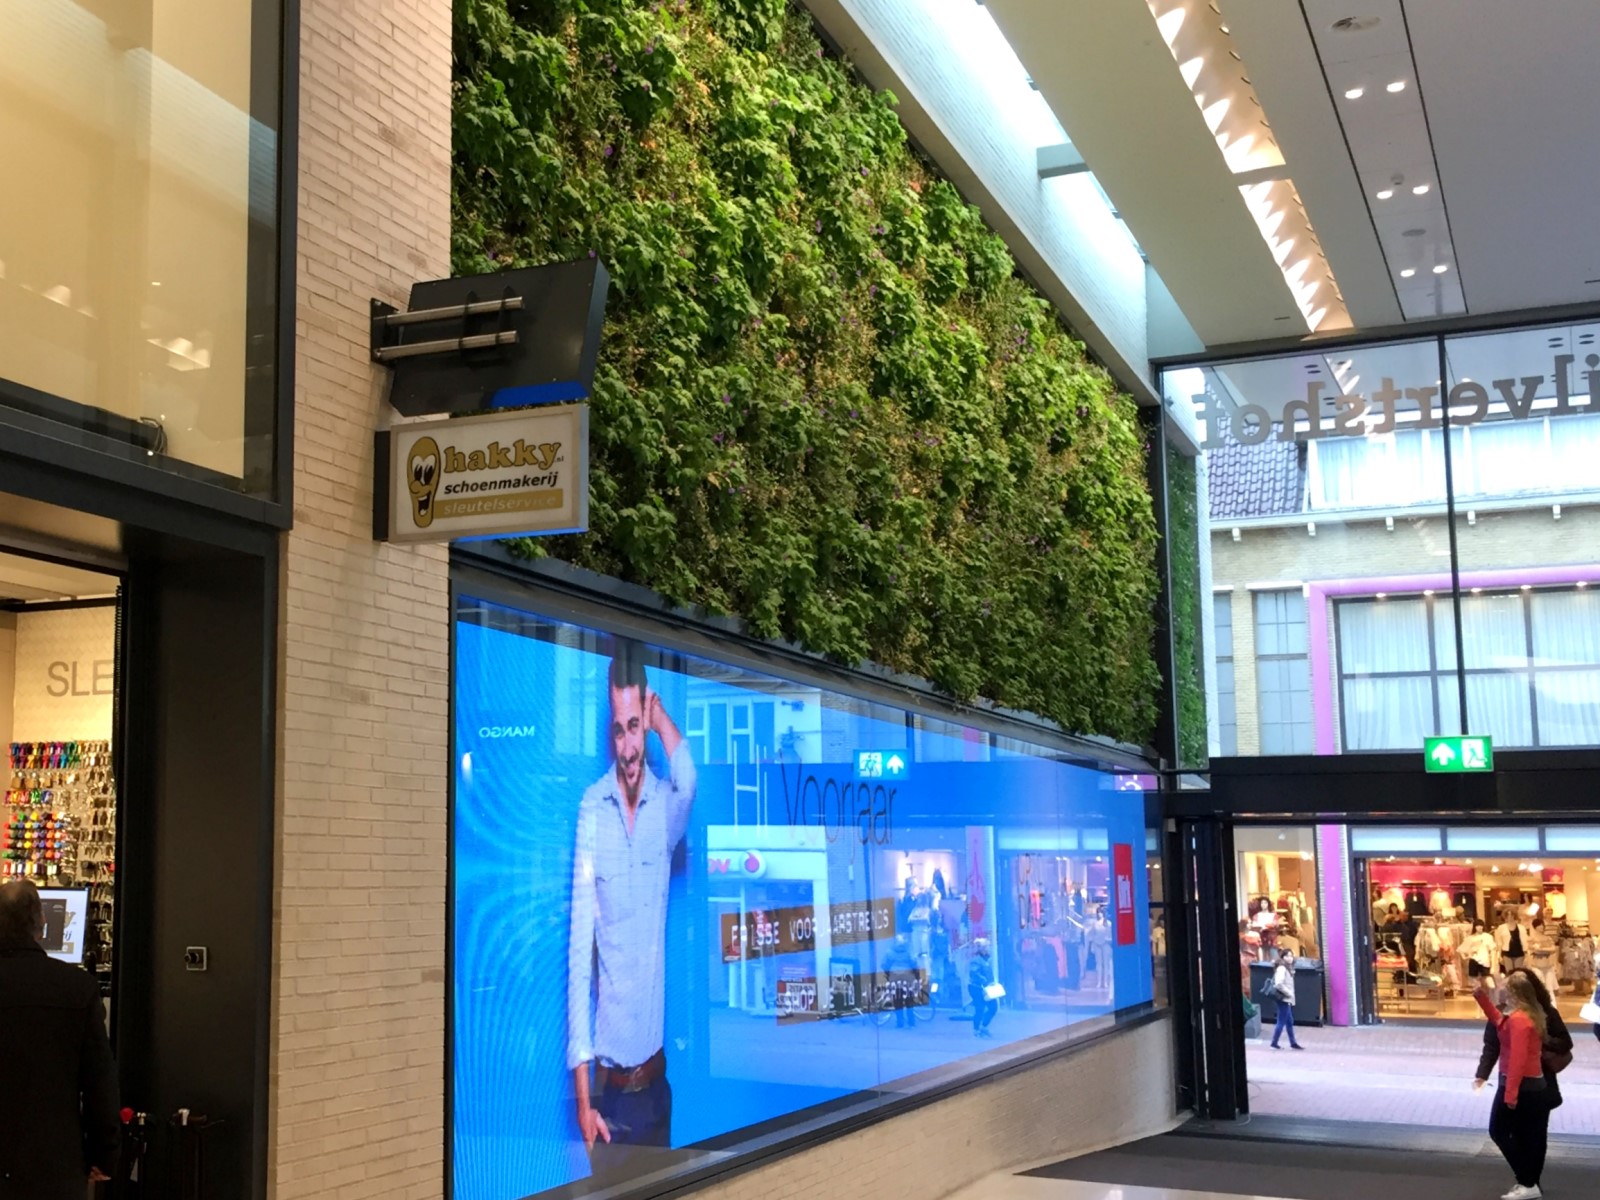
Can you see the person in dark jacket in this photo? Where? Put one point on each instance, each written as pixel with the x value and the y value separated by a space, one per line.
pixel 59 1120
pixel 1557 1042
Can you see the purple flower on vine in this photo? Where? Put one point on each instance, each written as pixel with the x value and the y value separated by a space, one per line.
pixel 718 438
pixel 873 290
pixel 819 224
pixel 726 398
pixel 591 254
pixel 650 48
pixel 863 172
pixel 645 85
pixel 609 151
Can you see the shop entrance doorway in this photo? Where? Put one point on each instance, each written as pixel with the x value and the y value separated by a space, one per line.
pixel 59 627
pixel 1395 1035
pixel 137 708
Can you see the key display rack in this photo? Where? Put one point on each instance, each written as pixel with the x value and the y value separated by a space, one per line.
pixel 59 827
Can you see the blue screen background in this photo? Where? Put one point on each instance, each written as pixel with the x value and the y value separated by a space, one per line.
pixel 532 710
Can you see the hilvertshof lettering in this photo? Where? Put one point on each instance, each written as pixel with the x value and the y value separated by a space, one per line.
pixel 1302 421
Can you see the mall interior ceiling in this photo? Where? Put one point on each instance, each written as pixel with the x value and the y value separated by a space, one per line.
pixel 1421 158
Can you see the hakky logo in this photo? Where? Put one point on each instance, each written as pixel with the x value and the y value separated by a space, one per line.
pixel 422 479
pixel 751 865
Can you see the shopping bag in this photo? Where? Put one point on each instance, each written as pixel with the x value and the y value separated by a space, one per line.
pixel 994 991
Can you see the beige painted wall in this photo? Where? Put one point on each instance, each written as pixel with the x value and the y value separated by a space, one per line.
pixel 1112 1092
pixel 63 675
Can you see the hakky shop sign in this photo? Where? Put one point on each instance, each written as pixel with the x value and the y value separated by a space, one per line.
pixel 1469 403
pixel 496 475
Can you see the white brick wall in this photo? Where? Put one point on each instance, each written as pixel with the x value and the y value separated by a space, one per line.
pixel 358 1038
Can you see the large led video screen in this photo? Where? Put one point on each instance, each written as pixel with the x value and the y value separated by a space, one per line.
pixel 693 902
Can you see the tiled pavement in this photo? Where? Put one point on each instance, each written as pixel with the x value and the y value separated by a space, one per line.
pixel 1407 1074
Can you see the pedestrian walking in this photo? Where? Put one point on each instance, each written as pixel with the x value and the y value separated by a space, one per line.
pixel 1283 992
pixel 1519 1123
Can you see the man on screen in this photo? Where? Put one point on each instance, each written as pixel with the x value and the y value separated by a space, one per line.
pixel 629 823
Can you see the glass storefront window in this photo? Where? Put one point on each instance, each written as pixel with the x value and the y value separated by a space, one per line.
pixel 790 904
pixel 1329 480
pixel 138 240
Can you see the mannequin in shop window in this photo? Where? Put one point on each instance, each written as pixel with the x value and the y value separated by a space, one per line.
pixel 1478 951
pixel 1513 939
pixel 1542 953
pixel 1265 922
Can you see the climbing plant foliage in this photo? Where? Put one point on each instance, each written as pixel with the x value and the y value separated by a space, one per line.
pixel 826 403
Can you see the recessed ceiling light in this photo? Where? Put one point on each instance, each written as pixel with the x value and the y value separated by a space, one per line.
pixel 1399 85
pixel 1386 194
pixel 1420 190
pixel 1441 268
pixel 1355 93
pixel 1408 273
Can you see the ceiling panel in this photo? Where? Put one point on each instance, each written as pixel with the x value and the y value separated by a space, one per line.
pixel 1512 95
pixel 1112 82
pixel 31 579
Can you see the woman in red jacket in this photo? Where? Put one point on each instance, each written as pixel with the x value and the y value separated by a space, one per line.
pixel 1520 1122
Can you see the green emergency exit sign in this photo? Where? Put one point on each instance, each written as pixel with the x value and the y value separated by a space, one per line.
pixel 1458 755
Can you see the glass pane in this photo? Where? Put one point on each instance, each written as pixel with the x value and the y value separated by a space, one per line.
pixel 1394 839
pixel 1388 714
pixel 808 901
pixel 1569 708
pixel 1324 482
pixel 1494 631
pixel 1581 839
pixel 1566 628
pixel 1503 839
pixel 137 284
pixel 1527 542
pixel 1383 636
pixel 1501 706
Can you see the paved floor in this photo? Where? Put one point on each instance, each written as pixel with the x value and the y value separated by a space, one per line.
pixel 1408 1074
pixel 1174 1166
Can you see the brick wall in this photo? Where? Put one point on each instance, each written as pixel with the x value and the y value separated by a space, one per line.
pixel 1112 1092
pixel 1529 537
pixel 358 1039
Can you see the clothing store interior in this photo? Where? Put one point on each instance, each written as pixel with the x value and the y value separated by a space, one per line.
pixel 1440 923
pixel 58 653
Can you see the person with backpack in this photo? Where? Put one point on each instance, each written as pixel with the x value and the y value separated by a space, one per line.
pixel 1282 989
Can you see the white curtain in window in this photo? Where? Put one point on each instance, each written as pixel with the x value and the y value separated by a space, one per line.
pixel 1566 628
pixel 1387 714
pixel 1365 472
pixel 1508 458
pixel 1500 706
pixel 1569 708
pixel 1383 636
pixel 1574 449
pixel 1494 633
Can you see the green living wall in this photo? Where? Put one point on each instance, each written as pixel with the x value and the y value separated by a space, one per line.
pixel 826 403
pixel 1183 561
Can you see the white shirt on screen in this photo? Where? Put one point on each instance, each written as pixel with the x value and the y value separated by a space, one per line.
pixel 619 915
